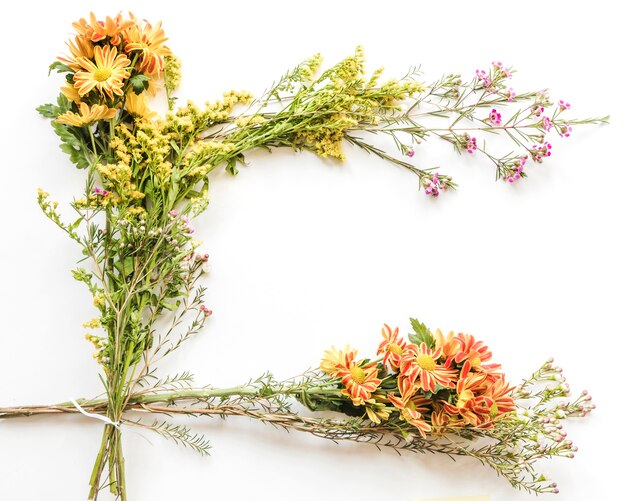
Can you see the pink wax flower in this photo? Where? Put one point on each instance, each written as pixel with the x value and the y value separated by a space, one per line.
pixel 510 94
pixel 563 105
pixel 546 123
pixel 483 77
pixel 518 168
pixel 470 143
pixel 565 130
pixel 494 117
pixel 433 186
pixel 538 153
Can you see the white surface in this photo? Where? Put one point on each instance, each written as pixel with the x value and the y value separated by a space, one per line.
pixel 307 253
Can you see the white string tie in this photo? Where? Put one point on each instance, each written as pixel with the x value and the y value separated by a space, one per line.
pixel 104 419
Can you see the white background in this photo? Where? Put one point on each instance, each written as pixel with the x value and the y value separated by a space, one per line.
pixel 307 253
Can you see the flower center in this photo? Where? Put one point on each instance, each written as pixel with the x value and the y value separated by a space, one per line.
pixel 395 349
pixel 358 374
pixel 102 74
pixel 493 413
pixel 426 362
pixel 475 361
pixel 464 397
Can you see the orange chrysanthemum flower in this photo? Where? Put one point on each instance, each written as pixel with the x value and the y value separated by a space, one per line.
pixel 82 47
pixel 412 411
pixel 502 404
pixel 96 31
pixel 149 40
pixel 441 420
pixel 474 354
pixel 107 74
pixel 391 346
pixel 360 381
pixel 86 115
pixel 470 349
pixel 419 366
pixel 376 410
pixel 448 344
pixel 472 407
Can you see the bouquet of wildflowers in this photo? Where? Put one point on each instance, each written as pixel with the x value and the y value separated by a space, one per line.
pixel 147 178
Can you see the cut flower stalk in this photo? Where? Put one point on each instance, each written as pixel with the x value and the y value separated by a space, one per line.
pixel 513 443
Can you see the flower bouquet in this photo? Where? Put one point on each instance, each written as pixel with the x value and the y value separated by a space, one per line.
pixel 147 178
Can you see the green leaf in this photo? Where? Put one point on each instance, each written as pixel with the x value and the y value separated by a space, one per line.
pixel 140 83
pixel 48 110
pixel 422 334
pixel 170 306
pixel 81 275
pixel 76 223
pixel 71 144
pixel 64 103
pixel 59 67
pixel 230 166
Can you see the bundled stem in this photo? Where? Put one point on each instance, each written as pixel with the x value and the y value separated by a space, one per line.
pixel 512 446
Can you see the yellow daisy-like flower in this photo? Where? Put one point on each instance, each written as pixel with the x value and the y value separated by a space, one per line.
pixel 81 47
pixel 107 74
pixel 334 357
pixel 149 40
pixel 137 105
pixel 70 92
pixel 86 115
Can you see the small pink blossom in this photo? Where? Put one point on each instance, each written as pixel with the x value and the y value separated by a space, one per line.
pixel 408 151
pixel 563 105
pixel 470 143
pixel 433 186
pixel 510 94
pixel 206 311
pixel 497 64
pixel 518 169
pixel 173 213
pixel 202 257
pixel 483 77
pixel 101 192
pixel 546 123
pixel 565 130
pixel 494 117
pixel 538 153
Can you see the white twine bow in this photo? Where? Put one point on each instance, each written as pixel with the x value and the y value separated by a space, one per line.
pixel 104 419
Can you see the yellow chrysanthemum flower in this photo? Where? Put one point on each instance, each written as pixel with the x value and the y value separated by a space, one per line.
pixel 82 47
pixel 70 92
pixel 86 115
pixel 107 74
pixel 333 358
pixel 137 105
pixel 149 40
